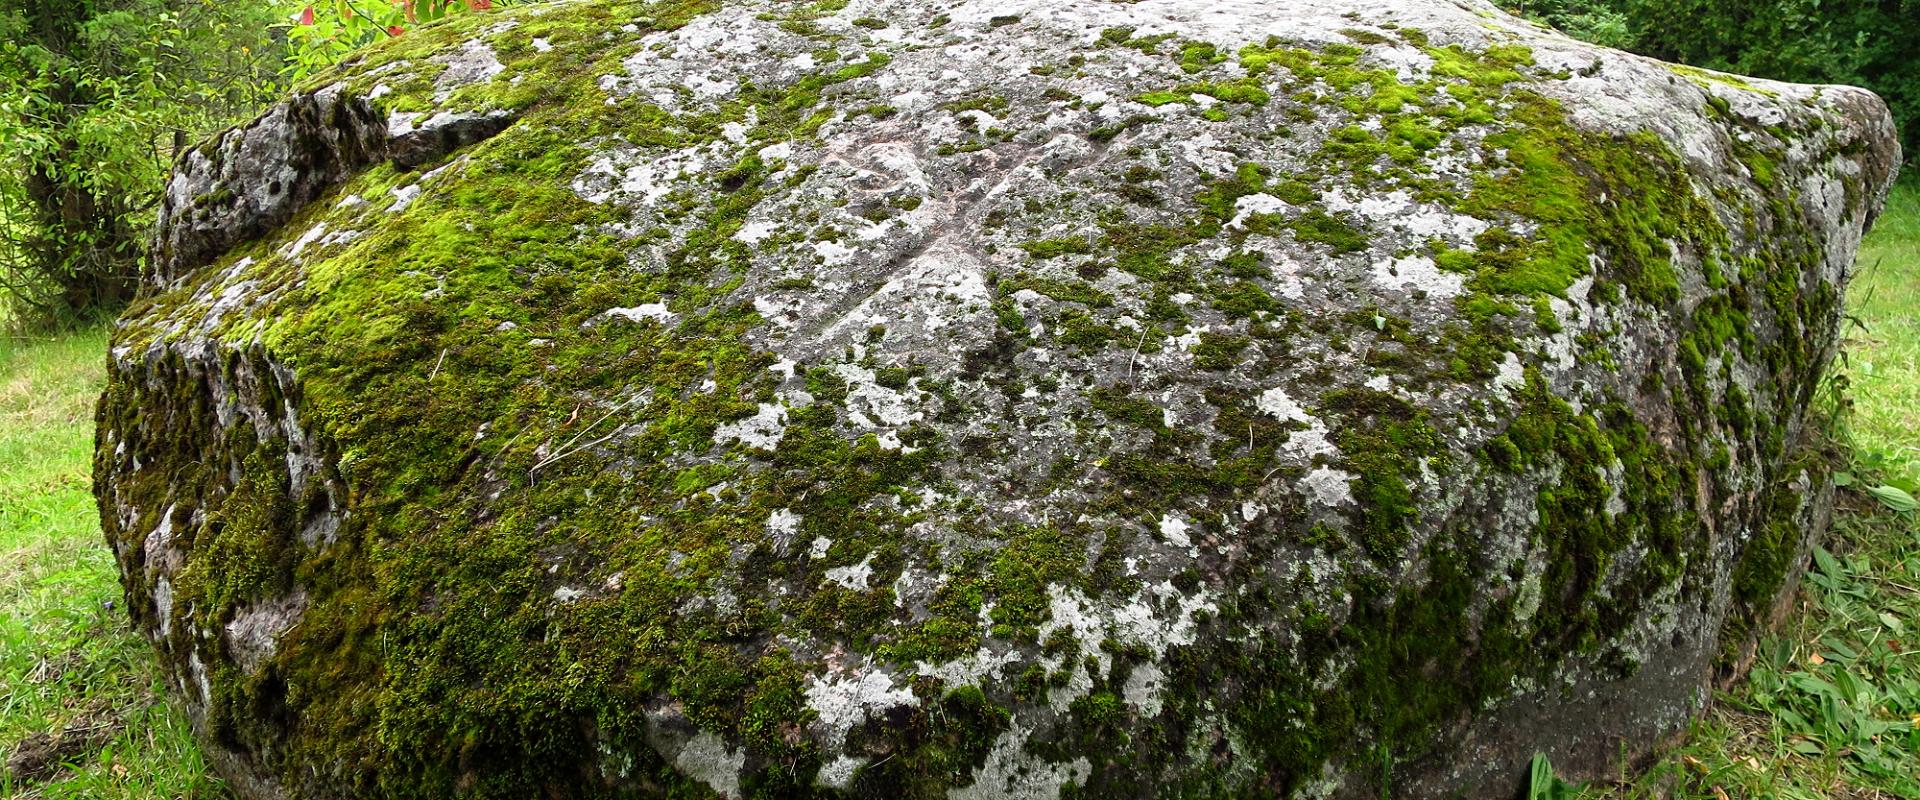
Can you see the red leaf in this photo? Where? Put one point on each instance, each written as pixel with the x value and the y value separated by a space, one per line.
pixel 395 30
pixel 306 16
pixel 479 5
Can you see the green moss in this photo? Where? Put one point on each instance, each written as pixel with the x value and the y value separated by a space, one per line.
pixel 1493 69
pixel 1055 248
pixel 1768 557
pixel 1412 627
pixel 1296 192
pixel 1121 407
pixel 1157 99
pixel 1244 299
pixel 1365 37
pixel 1383 440
pixel 494 661
pixel 1249 91
pixel 984 102
pixel 1708 79
pixel 1544 316
pixel 1218 199
pixel 1219 350
pixel 244 551
pixel 950 738
pixel 1243 91
pixel 1062 290
pixel 1086 332
pixel 1334 231
pixel 1258 59
pixel 1123 37
pixel 1107 133
pixel 1008 315
pixel 1032 560
pixel 1145 250
pixel 1198 56
pixel 1623 200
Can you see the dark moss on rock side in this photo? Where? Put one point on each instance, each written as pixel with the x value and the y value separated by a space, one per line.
pixel 682 399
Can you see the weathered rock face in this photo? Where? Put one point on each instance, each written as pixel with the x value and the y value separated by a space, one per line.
pixel 1024 399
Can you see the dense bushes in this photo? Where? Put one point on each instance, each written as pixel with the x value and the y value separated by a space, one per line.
pixel 327 30
pixel 1870 43
pixel 95 95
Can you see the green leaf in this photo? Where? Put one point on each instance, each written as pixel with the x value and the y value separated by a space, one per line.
pixel 1828 564
pixel 1812 685
pixel 1794 719
pixel 1544 785
pixel 1782 655
pixel 1893 623
pixel 1894 498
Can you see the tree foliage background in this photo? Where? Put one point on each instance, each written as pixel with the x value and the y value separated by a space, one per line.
pixel 95 97
pixel 1870 43
pixel 98 96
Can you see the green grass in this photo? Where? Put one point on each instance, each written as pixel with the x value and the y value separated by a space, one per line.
pixel 67 657
pixel 1831 710
pixel 1884 349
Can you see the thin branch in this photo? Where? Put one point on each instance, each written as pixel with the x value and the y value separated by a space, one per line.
pixel 1136 353
pixel 564 450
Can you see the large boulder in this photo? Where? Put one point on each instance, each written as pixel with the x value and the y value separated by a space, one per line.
pixel 979 399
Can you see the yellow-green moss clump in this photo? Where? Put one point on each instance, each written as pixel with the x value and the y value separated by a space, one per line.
pixel 774 400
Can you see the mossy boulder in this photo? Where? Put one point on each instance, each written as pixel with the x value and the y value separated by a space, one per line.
pixel 898 399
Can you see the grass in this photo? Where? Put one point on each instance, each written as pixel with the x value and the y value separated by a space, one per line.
pixel 1832 709
pixel 1884 350
pixel 69 664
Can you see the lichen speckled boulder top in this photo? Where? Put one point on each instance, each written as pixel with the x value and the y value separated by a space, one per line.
pixel 979 399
